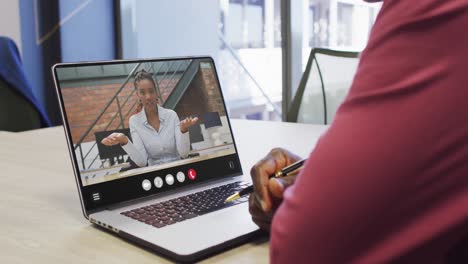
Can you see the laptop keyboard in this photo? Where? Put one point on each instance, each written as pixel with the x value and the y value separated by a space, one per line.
pixel 186 207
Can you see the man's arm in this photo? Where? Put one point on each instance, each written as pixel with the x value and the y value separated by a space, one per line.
pixel 390 173
pixel 352 179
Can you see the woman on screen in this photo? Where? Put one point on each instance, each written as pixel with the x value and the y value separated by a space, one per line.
pixel 157 133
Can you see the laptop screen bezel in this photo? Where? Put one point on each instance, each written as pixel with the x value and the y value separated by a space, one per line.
pixel 132 185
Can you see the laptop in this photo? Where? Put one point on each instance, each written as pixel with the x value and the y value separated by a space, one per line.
pixel 169 196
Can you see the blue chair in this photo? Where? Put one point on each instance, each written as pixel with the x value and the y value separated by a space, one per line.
pixel 19 109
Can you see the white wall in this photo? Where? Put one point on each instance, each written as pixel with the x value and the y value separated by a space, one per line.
pixel 10 21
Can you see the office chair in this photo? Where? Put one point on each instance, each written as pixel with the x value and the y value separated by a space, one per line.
pixel 324 85
pixel 195 133
pixel 19 109
pixel 211 119
pixel 115 154
pixel 212 122
pixel 196 136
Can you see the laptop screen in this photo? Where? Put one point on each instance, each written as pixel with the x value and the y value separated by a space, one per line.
pixel 137 128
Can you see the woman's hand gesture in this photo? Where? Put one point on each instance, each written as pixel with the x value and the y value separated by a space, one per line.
pixel 186 123
pixel 114 139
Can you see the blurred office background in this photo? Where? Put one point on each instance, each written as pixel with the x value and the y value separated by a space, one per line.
pixel 260 47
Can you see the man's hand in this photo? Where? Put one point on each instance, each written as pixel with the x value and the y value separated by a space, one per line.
pixel 268 192
pixel 186 123
pixel 114 139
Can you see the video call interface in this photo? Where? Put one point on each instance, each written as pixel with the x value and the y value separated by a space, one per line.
pixel 132 118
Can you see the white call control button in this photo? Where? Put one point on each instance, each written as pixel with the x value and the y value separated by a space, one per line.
pixel 180 176
pixel 146 184
pixel 158 182
pixel 169 179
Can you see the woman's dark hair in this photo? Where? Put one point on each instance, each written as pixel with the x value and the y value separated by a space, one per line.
pixel 139 76
pixel 143 75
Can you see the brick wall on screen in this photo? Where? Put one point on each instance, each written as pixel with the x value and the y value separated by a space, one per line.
pixel 83 104
pixel 215 104
pixel 165 87
pixel 201 96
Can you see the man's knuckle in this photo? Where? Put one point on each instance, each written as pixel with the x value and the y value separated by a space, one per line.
pixel 254 170
pixel 276 150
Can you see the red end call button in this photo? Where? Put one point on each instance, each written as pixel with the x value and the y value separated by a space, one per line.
pixel 192 174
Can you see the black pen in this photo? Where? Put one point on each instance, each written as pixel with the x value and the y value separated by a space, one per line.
pixel 288 170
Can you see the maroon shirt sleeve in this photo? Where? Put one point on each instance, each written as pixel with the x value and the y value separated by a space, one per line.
pixel 388 180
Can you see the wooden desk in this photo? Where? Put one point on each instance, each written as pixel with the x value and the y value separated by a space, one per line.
pixel 41 219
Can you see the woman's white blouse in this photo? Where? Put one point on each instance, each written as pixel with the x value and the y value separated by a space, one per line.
pixel 151 147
